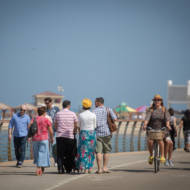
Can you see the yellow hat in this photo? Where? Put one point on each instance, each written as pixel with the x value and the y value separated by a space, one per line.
pixel 86 103
pixel 157 96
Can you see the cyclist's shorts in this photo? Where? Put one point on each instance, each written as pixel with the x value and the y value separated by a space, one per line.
pixel 168 138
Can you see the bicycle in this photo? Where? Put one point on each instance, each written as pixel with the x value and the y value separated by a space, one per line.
pixel 156 135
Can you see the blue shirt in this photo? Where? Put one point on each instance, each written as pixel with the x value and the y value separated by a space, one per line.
pixel 20 125
pixel 102 128
pixel 52 112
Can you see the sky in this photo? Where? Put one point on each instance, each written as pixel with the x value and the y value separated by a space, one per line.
pixel 122 50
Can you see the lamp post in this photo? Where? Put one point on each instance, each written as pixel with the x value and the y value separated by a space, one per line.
pixel 60 90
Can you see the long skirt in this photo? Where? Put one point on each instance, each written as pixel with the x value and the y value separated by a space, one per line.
pixel 41 153
pixel 86 149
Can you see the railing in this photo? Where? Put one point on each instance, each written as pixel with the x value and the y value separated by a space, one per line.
pixel 129 137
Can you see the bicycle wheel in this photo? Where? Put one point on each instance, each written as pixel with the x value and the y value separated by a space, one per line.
pixel 156 157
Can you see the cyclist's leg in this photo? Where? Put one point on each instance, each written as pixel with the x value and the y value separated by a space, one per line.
pixel 150 146
pixel 166 148
pixel 161 145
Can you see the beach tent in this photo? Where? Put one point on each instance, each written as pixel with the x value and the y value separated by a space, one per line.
pixel 141 109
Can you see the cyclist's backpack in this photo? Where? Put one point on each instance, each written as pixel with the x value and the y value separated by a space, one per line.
pixel 33 129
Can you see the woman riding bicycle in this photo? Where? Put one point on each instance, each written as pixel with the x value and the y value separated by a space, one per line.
pixel 157 117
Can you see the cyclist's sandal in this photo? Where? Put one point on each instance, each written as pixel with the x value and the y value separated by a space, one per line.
pixel 162 159
pixel 150 160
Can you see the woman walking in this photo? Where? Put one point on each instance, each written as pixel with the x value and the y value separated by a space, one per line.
pixel 173 131
pixel 87 138
pixel 40 141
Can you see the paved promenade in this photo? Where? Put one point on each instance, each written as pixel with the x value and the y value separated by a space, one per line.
pixel 129 171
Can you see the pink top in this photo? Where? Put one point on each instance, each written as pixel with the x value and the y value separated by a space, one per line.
pixel 64 120
pixel 43 124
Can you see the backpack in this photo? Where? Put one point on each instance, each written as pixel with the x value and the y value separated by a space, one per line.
pixel 33 129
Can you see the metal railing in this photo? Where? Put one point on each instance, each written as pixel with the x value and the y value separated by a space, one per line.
pixel 129 137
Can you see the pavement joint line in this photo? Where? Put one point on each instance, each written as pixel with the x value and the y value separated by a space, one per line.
pixel 78 177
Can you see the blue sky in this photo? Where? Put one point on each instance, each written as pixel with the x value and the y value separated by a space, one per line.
pixel 123 50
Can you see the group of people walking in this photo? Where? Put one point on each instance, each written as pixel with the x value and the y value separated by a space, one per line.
pixel 94 136
pixel 57 130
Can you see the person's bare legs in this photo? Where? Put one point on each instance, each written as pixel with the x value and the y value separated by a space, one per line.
pixel 150 147
pixel 99 159
pixel 170 150
pixel 105 162
pixel 166 149
pixel 161 145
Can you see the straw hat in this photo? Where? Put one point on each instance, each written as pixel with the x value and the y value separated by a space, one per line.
pixel 157 96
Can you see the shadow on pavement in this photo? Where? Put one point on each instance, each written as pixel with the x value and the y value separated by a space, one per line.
pixel 175 168
pixel 183 162
pixel 18 173
pixel 133 171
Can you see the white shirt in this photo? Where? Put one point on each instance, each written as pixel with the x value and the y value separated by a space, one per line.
pixel 87 120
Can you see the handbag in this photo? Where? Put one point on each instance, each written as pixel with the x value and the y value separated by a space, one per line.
pixel 33 129
pixel 111 123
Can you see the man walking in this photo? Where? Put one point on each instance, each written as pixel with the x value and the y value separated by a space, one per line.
pixel 51 112
pixel 51 109
pixel 65 125
pixel 103 134
pixel 19 126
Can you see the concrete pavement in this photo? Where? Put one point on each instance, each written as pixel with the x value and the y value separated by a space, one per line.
pixel 129 171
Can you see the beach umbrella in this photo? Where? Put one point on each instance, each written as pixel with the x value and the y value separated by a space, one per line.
pixel 124 109
pixel 4 106
pixel 141 109
pixel 129 109
pixel 121 108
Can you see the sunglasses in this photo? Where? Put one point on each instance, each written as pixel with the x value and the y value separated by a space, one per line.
pixel 22 110
pixel 157 100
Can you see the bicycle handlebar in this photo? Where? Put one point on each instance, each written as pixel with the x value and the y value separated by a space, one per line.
pixel 151 129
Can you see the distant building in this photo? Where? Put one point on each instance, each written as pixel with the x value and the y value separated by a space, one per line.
pixel 178 94
pixel 56 98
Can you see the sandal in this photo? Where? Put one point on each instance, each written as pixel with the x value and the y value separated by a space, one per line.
pixel 106 171
pixel 39 172
pixel 98 172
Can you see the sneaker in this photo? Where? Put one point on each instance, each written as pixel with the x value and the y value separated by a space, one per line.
pixel 162 160
pixel 150 160
pixel 171 164
pixel 19 165
pixel 167 164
